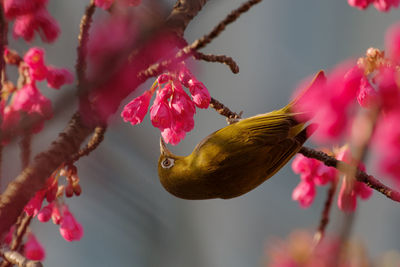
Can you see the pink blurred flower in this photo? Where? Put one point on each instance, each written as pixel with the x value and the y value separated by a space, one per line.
pixel 33 250
pixel 387 88
pixel 13 8
pixel 201 96
pixel 44 214
pixel 56 214
pixel 304 193
pixel 361 4
pixel 34 57
pixel 57 77
pixel 350 189
pixel 41 21
pixel 70 229
pixel 336 97
pixel 381 5
pixel 11 119
pixel 8 238
pixel 367 95
pixel 385 5
pixel 35 204
pixel 110 38
pixel 392 42
pixel 106 4
pixel 30 100
pixel 135 110
pixel 312 172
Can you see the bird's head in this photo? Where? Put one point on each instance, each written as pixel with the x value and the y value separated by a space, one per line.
pixel 179 176
pixel 172 170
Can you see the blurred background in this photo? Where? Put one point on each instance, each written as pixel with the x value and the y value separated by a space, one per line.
pixel 130 220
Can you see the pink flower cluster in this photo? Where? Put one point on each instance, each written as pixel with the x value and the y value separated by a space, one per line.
pixel 300 250
pixel 59 212
pixel 313 172
pixel 106 4
pixel 27 102
pixel 31 16
pixel 381 5
pixel 172 110
pixel 373 84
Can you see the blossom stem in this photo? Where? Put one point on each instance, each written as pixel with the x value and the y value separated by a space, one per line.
pixel 319 235
pixel 16 258
pixel 360 176
pixel 83 38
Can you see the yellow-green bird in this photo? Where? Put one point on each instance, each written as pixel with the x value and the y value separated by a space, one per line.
pixel 237 158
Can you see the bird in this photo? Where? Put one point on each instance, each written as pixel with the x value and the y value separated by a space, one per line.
pixel 237 158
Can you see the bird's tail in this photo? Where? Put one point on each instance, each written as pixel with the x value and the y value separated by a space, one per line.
pixel 293 107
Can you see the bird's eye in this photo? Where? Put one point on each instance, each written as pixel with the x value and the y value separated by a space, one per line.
pixel 167 163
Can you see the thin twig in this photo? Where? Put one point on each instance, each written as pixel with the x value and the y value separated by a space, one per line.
pixel 224 111
pixel 219 58
pixel 319 235
pixel 93 143
pixel 344 167
pixel 3 43
pixel 158 68
pixel 82 44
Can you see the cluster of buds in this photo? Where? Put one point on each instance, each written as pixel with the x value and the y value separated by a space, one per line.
pixel 313 172
pixel 26 103
pixel 73 186
pixel 56 209
pixel 31 16
pixel 172 110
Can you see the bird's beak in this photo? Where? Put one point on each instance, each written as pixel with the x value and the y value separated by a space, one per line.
pixel 163 148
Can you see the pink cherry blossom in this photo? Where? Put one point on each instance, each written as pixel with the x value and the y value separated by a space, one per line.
pixel 183 110
pixel 106 4
pixel 171 136
pixel 392 43
pixel 185 76
pixel 381 5
pixel 34 57
pixel 30 100
pixel 361 4
pixel 13 8
pixel 201 96
pixel 350 189
pixel 385 5
pixel 160 111
pixel 388 90
pixel 304 193
pixel 40 21
pixel 57 77
pixel 33 250
pixel 70 229
pixel 336 97
pixel 35 204
pixel 367 95
pixel 135 110
pixel 44 214
pixel 56 214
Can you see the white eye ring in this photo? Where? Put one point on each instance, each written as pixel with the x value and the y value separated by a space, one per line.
pixel 167 163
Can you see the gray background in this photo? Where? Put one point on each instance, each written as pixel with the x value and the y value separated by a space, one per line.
pixel 129 220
